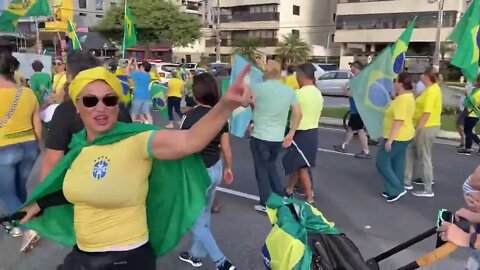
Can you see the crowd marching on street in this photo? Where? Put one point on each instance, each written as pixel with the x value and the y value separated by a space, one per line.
pixel 103 122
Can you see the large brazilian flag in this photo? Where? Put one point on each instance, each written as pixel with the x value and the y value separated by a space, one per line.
pixel 17 9
pixel 158 94
pixel 400 48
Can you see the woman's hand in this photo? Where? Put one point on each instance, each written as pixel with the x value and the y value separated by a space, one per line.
pixel 239 93
pixel 31 211
pixel 388 146
pixel 449 232
pixel 228 176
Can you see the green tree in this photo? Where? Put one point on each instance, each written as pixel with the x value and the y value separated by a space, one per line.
pixel 293 50
pixel 155 21
pixel 249 48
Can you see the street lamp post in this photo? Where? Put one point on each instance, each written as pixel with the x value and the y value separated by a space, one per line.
pixel 436 53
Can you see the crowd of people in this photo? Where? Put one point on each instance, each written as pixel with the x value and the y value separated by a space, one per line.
pixel 93 122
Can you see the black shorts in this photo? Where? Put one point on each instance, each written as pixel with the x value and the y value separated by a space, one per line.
pixel 190 102
pixel 303 151
pixel 355 122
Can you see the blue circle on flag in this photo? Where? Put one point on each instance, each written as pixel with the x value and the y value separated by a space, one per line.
pixel 399 63
pixel 158 103
pixel 478 39
pixel 379 92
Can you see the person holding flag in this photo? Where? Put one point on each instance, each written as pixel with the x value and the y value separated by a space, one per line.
pixel 129 33
pixel 472 103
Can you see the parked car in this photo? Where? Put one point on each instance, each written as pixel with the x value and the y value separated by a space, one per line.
pixel 190 66
pixel 332 83
pixel 218 67
pixel 321 68
pixel 164 70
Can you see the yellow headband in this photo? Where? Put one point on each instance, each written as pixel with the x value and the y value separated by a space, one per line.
pixel 94 74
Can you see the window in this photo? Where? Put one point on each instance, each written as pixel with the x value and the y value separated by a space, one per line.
pixel 296 10
pixel 82 14
pixel 332 38
pixel 99 16
pixel 334 16
pixel 342 76
pixel 296 32
pixel 99 4
pixel 82 3
pixel 328 76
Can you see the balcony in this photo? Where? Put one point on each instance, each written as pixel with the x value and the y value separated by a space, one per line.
pixel 250 17
pixel 264 42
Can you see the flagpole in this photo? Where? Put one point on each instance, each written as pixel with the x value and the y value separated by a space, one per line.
pixel 123 45
pixel 39 50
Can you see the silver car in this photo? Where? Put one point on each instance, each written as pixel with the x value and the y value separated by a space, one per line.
pixel 332 83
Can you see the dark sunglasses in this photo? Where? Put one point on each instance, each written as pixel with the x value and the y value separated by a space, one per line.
pixel 59 64
pixel 92 101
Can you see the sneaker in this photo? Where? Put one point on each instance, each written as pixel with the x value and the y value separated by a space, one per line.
pixel 30 238
pixel 288 194
pixel 186 257
pixel 419 181
pixel 15 232
pixel 385 195
pixel 463 151
pixel 227 265
pixel 408 187
pixel 391 199
pixel 339 148
pixel 299 191
pixel 169 126
pixel 260 208
pixel 426 194
pixel 461 146
pixel 362 155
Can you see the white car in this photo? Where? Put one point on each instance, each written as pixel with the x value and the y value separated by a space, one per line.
pixel 190 66
pixel 164 70
pixel 331 83
pixel 321 68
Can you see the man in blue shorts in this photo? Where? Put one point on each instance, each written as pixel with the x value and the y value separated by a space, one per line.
pixel 141 94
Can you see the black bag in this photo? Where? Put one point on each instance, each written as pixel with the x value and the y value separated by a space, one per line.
pixel 335 252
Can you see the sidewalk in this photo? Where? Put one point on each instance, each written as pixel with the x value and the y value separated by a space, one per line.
pixel 446 135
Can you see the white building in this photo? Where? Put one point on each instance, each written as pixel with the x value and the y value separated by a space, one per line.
pixel 364 27
pixel 88 13
pixel 269 20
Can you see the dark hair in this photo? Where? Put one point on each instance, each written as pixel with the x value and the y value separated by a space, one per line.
pixel 431 74
pixel 147 66
pixel 8 65
pixel 37 66
pixel 79 61
pixel 290 70
pixel 205 89
pixel 307 70
pixel 406 80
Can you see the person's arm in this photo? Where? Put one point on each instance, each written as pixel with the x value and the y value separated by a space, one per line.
pixel 227 157
pixel 294 124
pixel 37 122
pixel 397 124
pixel 423 120
pixel 50 159
pixel 346 91
pixel 52 200
pixel 427 110
pixel 175 144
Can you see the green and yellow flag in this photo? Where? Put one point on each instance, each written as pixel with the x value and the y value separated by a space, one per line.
pixel 129 35
pixel 465 35
pixel 17 9
pixel 73 37
pixel 400 48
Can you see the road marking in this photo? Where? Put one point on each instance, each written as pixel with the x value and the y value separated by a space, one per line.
pixel 333 129
pixel 239 194
pixel 335 152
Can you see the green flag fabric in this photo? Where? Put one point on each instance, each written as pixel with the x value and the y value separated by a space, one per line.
pixel 129 33
pixel 400 48
pixel 73 37
pixel 465 35
pixel 158 94
pixel 371 91
pixel 470 103
pixel 176 195
pixel 17 9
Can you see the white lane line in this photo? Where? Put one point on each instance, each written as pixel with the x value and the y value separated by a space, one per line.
pixel 335 152
pixel 239 194
pixel 332 129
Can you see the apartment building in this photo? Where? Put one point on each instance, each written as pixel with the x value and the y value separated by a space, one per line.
pixel 90 12
pixel 269 20
pixel 364 27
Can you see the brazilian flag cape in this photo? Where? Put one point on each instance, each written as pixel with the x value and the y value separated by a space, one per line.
pixel 286 246
pixel 470 103
pixel 176 195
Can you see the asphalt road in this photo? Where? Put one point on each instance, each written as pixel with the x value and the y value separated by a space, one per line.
pixel 347 192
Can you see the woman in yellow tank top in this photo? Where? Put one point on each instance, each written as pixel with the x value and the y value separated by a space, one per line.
pixel 20 128
pixel 110 200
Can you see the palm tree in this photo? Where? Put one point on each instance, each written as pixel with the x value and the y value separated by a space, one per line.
pixel 249 48
pixel 293 50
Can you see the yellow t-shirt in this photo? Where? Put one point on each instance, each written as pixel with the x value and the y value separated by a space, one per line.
pixel 429 101
pixel 476 100
pixel 291 81
pixel 59 81
pixel 311 102
pixel 175 87
pixel 19 128
pixel 109 200
pixel 401 108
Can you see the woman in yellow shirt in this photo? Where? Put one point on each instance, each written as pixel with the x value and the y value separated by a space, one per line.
pixel 176 87
pixel 427 120
pixel 20 129
pixel 110 208
pixel 398 132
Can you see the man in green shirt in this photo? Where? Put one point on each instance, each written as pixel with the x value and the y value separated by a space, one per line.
pixel 40 82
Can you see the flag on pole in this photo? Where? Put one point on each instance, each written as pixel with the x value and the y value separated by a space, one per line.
pixel 465 35
pixel 73 37
pixel 129 35
pixel 371 91
pixel 400 48
pixel 17 9
pixel 158 94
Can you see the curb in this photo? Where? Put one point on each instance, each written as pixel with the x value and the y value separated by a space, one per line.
pixel 446 135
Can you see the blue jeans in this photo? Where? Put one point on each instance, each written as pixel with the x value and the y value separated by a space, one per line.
pixel 265 155
pixel 203 241
pixel 391 165
pixel 16 162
